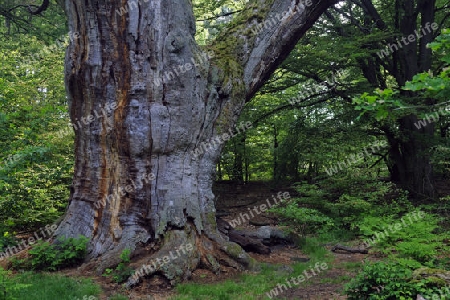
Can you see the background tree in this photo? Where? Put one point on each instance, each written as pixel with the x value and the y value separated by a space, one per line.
pixel 338 60
pixel 403 29
pixel 36 145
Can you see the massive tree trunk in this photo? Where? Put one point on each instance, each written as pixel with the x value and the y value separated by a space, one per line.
pixel 151 111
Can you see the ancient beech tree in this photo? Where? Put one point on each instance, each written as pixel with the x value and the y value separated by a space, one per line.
pixel 121 61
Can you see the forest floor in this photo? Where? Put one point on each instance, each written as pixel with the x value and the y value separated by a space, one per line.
pixel 233 200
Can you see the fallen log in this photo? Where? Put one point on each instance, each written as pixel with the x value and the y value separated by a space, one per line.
pixel 348 249
pixel 247 242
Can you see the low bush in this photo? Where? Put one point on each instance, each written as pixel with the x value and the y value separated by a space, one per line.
pixel 123 270
pixel 62 253
pixel 391 281
pixel 302 220
pixel 411 236
pixel 341 204
pixel 6 240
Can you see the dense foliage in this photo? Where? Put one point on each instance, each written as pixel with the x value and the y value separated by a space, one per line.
pixel 65 252
pixel 35 154
pixel 393 281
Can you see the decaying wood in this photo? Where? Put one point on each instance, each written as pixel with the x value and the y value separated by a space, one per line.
pixel 247 242
pixel 348 249
pixel 258 240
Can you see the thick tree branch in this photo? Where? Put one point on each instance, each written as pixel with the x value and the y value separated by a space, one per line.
pixel 274 44
pixel 219 16
pixel 353 20
pixel 265 35
pixel 301 104
pixel 372 11
pixel 444 7
pixel 41 8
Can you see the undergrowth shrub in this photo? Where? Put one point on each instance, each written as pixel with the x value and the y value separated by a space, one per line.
pixel 391 281
pixel 6 240
pixel 412 236
pixel 34 194
pixel 302 220
pixel 341 203
pixel 123 270
pixel 62 253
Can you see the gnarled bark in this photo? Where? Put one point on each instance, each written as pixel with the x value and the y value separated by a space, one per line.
pixel 141 114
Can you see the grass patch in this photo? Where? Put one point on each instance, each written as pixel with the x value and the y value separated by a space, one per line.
pixel 314 248
pixel 351 265
pixel 118 297
pixel 337 280
pixel 42 286
pixel 250 286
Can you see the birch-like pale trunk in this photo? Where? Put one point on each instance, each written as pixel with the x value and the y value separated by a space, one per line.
pixel 141 112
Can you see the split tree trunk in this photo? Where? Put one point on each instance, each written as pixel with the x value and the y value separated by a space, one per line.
pixel 144 96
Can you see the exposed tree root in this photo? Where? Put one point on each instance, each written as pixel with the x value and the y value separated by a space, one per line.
pixel 183 252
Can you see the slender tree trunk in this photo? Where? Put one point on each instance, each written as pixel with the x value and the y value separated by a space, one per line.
pixel 238 149
pixel 151 110
pixel 219 171
pixel 276 172
pixel 246 160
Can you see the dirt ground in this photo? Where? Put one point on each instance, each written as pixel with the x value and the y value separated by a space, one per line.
pixel 325 286
pixel 230 203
